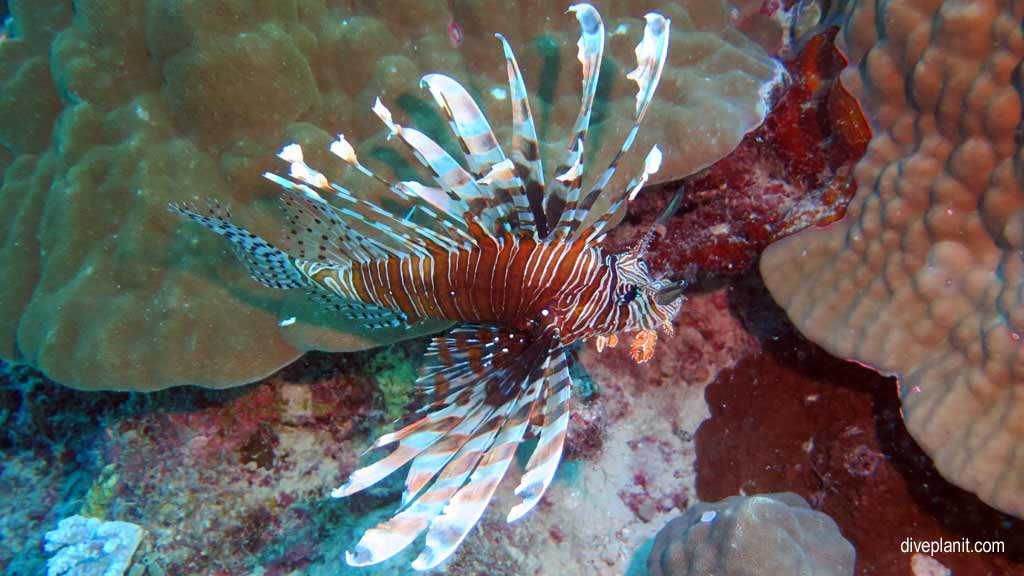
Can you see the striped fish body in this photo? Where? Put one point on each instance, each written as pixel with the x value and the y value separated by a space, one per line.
pixel 494 248
pixel 519 283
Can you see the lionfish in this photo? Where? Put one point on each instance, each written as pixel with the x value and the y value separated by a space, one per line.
pixel 486 247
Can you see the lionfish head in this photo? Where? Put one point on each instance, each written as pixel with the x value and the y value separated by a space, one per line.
pixel 645 304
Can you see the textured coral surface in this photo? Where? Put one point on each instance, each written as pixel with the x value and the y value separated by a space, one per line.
pixel 759 534
pixel 924 276
pixel 795 419
pixel 113 109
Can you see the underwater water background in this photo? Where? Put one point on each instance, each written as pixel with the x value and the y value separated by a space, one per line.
pixel 162 413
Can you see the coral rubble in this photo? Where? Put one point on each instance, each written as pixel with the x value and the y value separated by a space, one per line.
pixel 83 546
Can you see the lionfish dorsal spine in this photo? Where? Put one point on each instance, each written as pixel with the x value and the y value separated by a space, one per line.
pixel 528 200
pixel 652 163
pixel 466 121
pixel 569 172
pixel 651 54
pixel 492 245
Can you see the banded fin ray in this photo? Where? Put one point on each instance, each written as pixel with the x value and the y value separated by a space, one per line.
pixel 392 536
pixel 455 360
pixel 386 230
pixel 466 121
pixel 465 508
pixel 453 363
pixel 467 348
pixel 276 268
pixel 469 195
pixel 304 206
pixel 315 225
pixel 525 154
pixel 651 165
pixel 449 218
pixel 565 188
pixel 543 463
pixel 412 440
pixel 356 227
pixel 490 390
pixel 651 54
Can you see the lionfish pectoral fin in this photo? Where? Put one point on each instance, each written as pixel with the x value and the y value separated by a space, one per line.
pixel 466 507
pixel 487 385
pixel 543 463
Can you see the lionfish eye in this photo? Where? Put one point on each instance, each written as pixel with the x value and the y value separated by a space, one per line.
pixel 628 296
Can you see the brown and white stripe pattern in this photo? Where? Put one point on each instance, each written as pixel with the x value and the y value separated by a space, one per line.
pixel 479 246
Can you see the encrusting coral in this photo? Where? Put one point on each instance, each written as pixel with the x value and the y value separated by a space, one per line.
pixel 115 108
pixel 923 278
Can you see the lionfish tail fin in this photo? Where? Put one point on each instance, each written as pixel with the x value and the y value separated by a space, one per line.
pixel 487 385
pixel 268 265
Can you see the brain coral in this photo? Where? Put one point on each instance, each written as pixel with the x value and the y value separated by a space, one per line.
pixel 924 277
pixel 112 109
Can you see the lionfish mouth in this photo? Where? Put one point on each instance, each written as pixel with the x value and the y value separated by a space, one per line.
pixel 668 294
